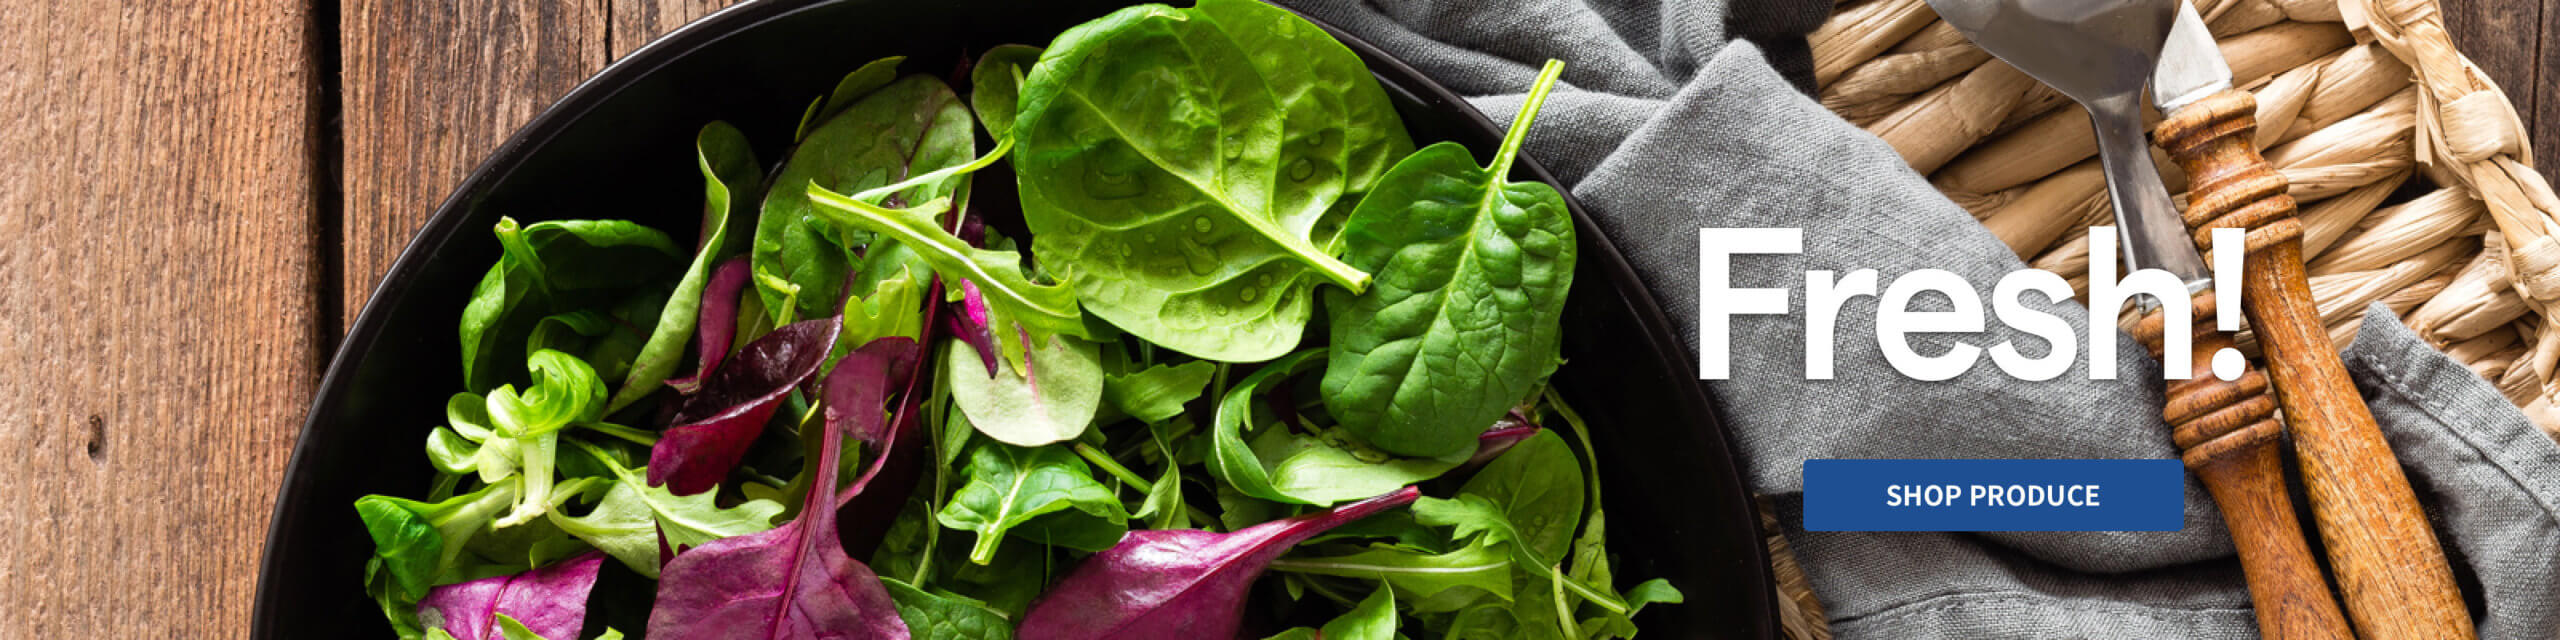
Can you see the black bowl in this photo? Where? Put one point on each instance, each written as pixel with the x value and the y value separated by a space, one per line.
pixel 620 146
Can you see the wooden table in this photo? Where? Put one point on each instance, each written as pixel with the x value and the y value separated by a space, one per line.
pixel 204 192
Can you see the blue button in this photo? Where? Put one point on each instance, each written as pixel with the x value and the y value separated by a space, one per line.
pixel 1994 495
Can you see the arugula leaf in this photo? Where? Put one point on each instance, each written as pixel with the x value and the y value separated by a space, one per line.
pixel 549 601
pixel 1537 485
pixel 1013 302
pixel 887 301
pixel 937 616
pixel 730 173
pixel 1462 576
pixel 509 629
pixel 1044 494
pixel 1052 397
pixel 912 126
pixel 547 268
pixel 1472 273
pixel 1164 507
pixel 1373 619
pixel 1158 393
pixel 1590 551
pixel 1184 210
pixel 1320 468
pixel 634 519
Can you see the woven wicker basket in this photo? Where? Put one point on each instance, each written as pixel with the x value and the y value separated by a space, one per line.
pixel 2412 169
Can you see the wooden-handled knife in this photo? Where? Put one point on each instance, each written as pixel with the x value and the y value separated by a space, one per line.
pixel 2392 573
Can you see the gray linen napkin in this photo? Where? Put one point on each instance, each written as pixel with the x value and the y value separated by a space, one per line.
pixel 1678 117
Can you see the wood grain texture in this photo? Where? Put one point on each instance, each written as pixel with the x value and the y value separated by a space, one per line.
pixel 158 286
pixel 2513 42
pixel 636 22
pixel 2544 119
pixel 430 89
pixel 2391 572
pixel 2228 434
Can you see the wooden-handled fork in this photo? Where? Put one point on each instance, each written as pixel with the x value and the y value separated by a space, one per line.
pixel 2392 574
pixel 2227 433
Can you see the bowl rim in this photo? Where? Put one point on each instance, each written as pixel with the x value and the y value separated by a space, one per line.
pixel 442 226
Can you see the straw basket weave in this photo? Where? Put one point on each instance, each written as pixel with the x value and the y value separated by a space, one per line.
pixel 2412 169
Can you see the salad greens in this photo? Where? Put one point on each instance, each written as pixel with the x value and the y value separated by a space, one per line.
pixel 883 410
pixel 1472 271
pixel 1190 212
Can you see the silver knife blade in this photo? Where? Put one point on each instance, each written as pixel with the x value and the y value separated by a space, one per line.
pixel 2191 65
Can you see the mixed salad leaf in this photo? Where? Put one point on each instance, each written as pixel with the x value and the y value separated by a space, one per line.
pixel 865 405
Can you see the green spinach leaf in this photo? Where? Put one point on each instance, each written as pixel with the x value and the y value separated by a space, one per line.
pixel 1158 392
pixel 1320 468
pixel 548 268
pixel 938 616
pixel 995 86
pixel 910 127
pixel 871 76
pixel 1044 494
pixel 1191 212
pixel 1472 273
pixel 730 183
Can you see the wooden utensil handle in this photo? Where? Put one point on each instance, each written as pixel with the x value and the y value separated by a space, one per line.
pixel 2392 573
pixel 2227 432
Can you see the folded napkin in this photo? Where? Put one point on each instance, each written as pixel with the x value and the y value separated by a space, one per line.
pixel 1687 114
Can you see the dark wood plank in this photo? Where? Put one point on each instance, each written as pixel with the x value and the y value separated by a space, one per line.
pixel 636 22
pixel 2503 37
pixel 431 88
pixel 2544 117
pixel 159 283
pixel 2517 42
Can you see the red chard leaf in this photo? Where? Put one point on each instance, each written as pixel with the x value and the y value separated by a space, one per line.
pixel 551 601
pixel 719 322
pixel 900 461
pixel 1178 584
pixel 855 400
pixel 794 581
pixel 717 424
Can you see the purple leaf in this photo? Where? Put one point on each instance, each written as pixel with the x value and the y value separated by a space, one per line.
pixel 718 323
pixel 794 581
pixel 1178 584
pixel 855 399
pixel 970 325
pixel 717 423
pixel 1510 430
pixel 551 601
pixel 899 462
